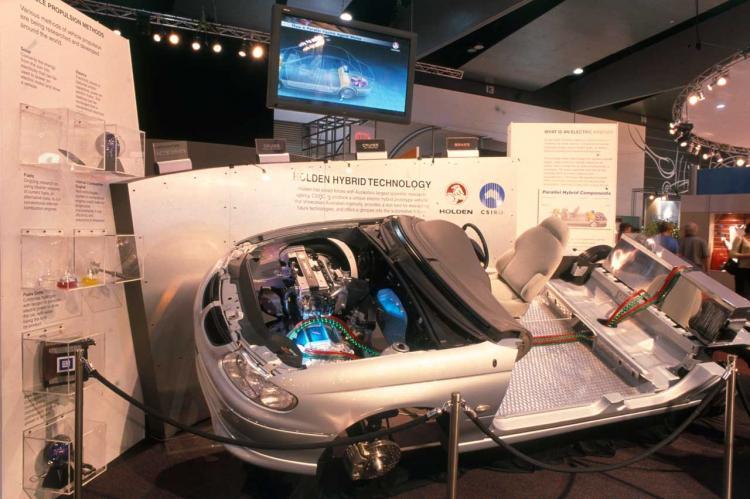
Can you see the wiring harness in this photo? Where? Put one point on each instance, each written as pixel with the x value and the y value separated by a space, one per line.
pixel 640 300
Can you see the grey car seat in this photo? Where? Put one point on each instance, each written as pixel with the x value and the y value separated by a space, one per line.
pixel 523 270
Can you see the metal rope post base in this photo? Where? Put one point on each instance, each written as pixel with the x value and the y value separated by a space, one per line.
pixel 453 445
pixel 731 388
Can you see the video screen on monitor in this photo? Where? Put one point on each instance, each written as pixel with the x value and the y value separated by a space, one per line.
pixel 321 64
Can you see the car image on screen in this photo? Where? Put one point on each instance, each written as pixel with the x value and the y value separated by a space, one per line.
pixel 332 71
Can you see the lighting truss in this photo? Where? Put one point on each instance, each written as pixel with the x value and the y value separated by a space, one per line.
pixel 680 107
pixel 104 9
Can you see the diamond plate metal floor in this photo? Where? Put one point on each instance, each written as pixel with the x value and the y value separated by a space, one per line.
pixel 556 376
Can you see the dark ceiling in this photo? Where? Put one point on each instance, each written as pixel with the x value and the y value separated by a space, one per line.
pixel 635 53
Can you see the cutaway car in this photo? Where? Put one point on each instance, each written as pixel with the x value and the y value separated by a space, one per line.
pixel 312 332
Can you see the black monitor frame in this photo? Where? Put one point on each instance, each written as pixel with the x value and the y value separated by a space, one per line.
pixel 330 108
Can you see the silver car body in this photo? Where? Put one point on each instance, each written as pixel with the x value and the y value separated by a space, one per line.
pixel 648 367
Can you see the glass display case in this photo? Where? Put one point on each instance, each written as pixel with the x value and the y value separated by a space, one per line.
pixel 60 138
pixel 123 150
pixel 47 260
pixel 123 258
pixel 49 456
pixel 51 260
pixel 48 359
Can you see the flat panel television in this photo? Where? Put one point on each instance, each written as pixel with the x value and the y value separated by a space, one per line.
pixel 320 64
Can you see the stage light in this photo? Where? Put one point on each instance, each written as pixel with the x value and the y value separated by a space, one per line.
pixel 719 159
pixel 156 37
pixel 721 106
pixel 174 38
pixel 117 32
pixel 672 131
pixel 651 197
pixel 740 162
pixel 722 80
pixel 578 71
pixel 695 98
pixel 478 47
pixel 216 47
pixel 345 16
pixel 196 45
pixel 706 155
pixel 683 143
pixel 258 51
pixel 710 86
pixel 242 52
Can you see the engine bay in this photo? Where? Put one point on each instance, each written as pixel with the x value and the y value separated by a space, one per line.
pixel 331 304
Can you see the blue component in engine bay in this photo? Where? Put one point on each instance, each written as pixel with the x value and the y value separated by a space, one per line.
pixel 393 316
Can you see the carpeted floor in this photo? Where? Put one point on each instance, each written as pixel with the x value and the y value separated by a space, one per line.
pixel 690 467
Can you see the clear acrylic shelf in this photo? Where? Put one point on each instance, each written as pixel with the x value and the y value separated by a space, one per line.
pixel 49 456
pixel 47 359
pixel 53 261
pixel 66 139
pixel 60 138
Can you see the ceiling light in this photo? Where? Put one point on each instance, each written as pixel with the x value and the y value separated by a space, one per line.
pixel 578 71
pixel 693 99
pixel 174 39
pixel 683 143
pixel 478 46
pixel 117 32
pixel 706 155
pixel 196 45
pixel 710 87
pixel 216 47
pixel 258 51
pixel 672 131
pixel 471 50
pixel 722 80
pixel 157 37
pixel 721 106
pixel 719 159
pixel 345 16
pixel 740 162
pixel 651 196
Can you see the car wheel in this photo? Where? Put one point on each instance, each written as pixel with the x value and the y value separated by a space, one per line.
pixel 347 93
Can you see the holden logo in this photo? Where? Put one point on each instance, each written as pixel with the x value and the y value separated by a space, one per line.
pixel 456 193
pixel 492 195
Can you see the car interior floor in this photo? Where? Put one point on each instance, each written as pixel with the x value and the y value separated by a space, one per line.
pixel 557 374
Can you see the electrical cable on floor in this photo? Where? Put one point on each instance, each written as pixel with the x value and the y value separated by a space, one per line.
pixel 598 469
pixel 261 446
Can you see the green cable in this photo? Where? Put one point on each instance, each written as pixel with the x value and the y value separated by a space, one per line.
pixel 336 325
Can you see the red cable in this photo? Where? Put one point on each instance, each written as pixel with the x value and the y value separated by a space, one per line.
pixel 667 280
pixel 332 353
pixel 624 303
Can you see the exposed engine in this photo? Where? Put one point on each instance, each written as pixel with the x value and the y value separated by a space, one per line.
pixel 316 298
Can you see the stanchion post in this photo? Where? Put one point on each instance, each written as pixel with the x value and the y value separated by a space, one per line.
pixel 78 430
pixel 729 425
pixel 453 445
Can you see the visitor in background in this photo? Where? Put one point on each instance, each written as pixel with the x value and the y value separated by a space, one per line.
pixel 664 237
pixel 693 248
pixel 625 228
pixel 741 251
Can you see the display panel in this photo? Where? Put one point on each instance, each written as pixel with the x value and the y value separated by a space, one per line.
pixel 321 64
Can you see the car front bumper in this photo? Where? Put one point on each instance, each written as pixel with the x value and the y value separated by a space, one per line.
pixel 228 423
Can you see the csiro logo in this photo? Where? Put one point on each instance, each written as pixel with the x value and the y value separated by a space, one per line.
pixel 492 195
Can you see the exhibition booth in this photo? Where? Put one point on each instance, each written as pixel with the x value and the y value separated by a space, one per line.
pixel 319 308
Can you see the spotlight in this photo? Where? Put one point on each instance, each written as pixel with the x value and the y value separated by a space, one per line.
pixel 719 158
pixel 710 86
pixel 242 52
pixel 117 32
pixel 695 98
pixel 258 51
pixel 345 16
pixel 578 71
pixel 706 155
pixel 216 47
pixel 651 197
pixel 740 162
pixel 721 106
pixel 722 80
pixel 672 131
pixel 174 39
pixel 196 45
pixel 683 143
pixel 157 37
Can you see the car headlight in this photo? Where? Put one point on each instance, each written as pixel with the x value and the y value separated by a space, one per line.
pixel 254 386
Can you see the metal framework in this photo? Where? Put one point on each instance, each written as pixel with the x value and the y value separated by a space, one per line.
pixel 680 112
pixel 326 136
pixel 104 9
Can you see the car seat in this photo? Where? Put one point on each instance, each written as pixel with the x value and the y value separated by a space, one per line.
pixel 523 270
